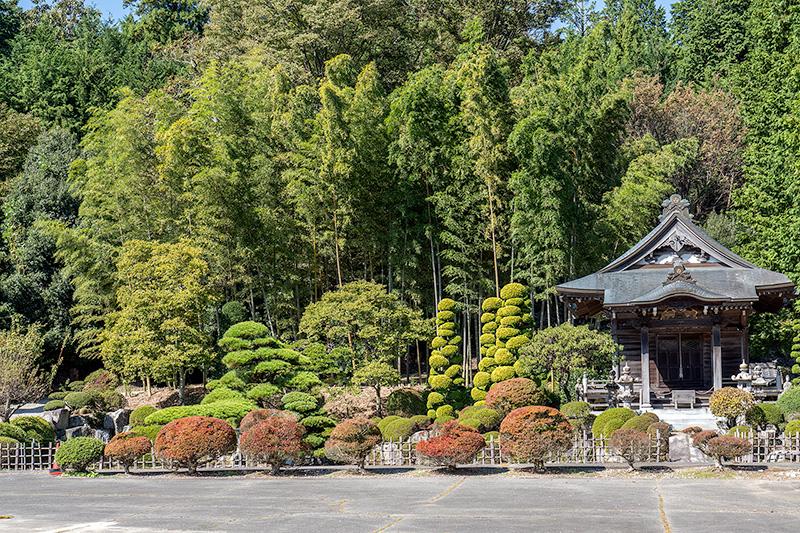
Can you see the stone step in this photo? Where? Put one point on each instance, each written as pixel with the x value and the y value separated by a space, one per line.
pixel 684 418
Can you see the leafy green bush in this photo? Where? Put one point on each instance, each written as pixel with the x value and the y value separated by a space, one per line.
pixel 13 432
pixel 299 402
pixel 8 442
pixel 576 413
pixel 231 411
pixel 789 401
pixel 76 454
pixel 221 393
pixel 76 385
pixel 139 414
pixel 52 405
pixel 79 400
pixel 740 431
pixel 149 431
pixel 774 416
pixel 503 373
pixel 729 403
pixel 405 402
pixel 36 428
pixel 168 414
pixel 793 428
pixel 639 423
pixel 111 400
pixel 606 421
pixel 399 429
pixel 57 395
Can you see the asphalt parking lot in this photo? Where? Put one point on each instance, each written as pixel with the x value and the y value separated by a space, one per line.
pixel 410 502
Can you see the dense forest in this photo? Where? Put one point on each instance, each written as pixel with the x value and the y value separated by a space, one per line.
pixel 239 160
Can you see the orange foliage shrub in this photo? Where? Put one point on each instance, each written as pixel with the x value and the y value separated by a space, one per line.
pixel 187 441
pixel 274 439
pixel 531 433
pixel 352 440
pixel 127 448
pixel 456 444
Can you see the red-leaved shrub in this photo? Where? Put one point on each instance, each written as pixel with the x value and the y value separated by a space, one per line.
pixel 259 415
pixel 692 430
pixel 456 444
pixel 511 394
pixel 127 447
pixel 699 440
pixel 631 444
pixel 186 442
pixel 727 448
pixel 352 440
pixel 530 433
pixel 273 440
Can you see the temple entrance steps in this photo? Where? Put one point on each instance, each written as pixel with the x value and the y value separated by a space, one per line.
pixel 683 418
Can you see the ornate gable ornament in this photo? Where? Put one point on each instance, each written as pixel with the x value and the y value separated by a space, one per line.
pixel 675 203
pixel 679 273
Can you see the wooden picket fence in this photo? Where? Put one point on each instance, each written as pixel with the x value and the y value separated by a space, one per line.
pixel 768 447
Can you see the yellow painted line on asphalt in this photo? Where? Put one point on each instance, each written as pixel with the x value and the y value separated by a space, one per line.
pixel 448 491
pixel 664 520
pixel 387 526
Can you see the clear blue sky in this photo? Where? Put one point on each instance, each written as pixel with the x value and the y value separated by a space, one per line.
pixel 113 8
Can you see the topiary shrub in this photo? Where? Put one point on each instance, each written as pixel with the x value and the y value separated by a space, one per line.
pixel 630 444
pixel 793 428
pixel 727 448
pixel 13 432
pixel 52 405
pixel 651 415
pixel 168 414
pixel 150 431
pixel 693 430
pixel 531 433
pixel 352 440
pixel 481 418
pixel 80 400
pixel 398 430
pixel 127 448
pixel 789 401
pixel 273 440
pixel 729 403
pixel 405 402
pixel 512 394
pixel 75 455
pixel 8 442
pixel 35 428
pixel 456 444
pixel 111 400
pixel 100 380
pixel 57 395
pixel 186 442
pixel 611 420
pixel 576 413
pixel 76 386
pixel 221 393
pixel 756 417
pixel 139 415
pixel 639 423
pixel 773 415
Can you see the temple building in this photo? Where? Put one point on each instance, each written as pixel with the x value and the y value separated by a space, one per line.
pixel 679 304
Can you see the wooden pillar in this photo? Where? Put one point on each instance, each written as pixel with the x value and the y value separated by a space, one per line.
pixel 645 399
pixel 716 356
pixel 745 338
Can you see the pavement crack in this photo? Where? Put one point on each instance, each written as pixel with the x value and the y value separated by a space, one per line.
pixel 448 491
pixel 663 513
pixel 387 526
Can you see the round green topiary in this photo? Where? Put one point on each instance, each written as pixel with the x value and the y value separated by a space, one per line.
pixel 57 395
pixel 509 310
pixel 519 302
pixel 504 357
pixel 477 394
pixel 487 338
pixel 399 429
pixel 491 350
pixel 438 361
pixel 487 318
pixel 773 414
pixel 221 393
pixel 506 333
pixel 438 343
pixel 490 305
pixel 444 411
pixel 511 321
pixel 447 304
pixel 442 420
pixel 455 340
pixel 79 400
pixel 36 428
pixel 445 332
pixel 13 432
pixel 639 423
pixel 517 342
pixel 434 399
pixel 453 371
pixel 52 405
pixel 405 402
pixel 449 350
pixel 513 290
pixel 793 428
pixel 622 414
pixel 440 382
pixel 740 431
pixel 139 414
pixel 8 442
pixel 148 431
pixel 446 316
pixel 482 380
pixel 487 364
pixel 489 329
pixel 431 414
pixel 77 454
pixel 502 373
pixel 789 401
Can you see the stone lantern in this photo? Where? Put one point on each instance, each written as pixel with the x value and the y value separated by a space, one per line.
pixel 743 378
pixel 625 382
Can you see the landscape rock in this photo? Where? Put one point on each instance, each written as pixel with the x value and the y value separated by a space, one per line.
pixel 116 421
pixel 58 417
pixel 681 449
pixel 77 421
pixel 102 434
pixel 79 431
